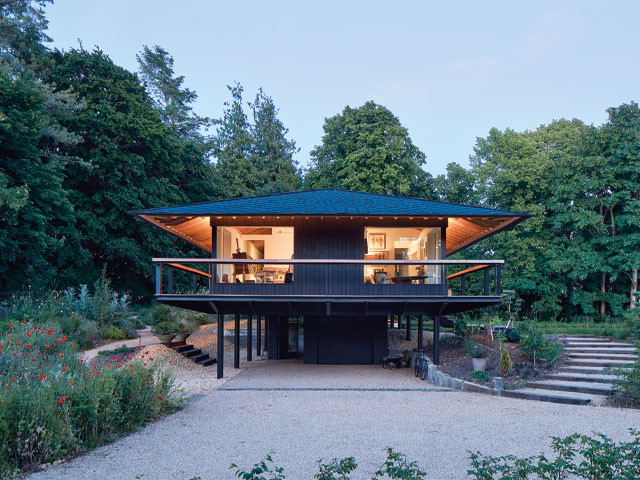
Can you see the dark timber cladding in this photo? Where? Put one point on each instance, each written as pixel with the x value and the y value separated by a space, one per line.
pixel 343 318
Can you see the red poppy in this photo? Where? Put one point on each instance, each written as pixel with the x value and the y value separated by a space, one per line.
pixel 12 325
pixel 62 399
pixel 160 397
pixel 61 354
pixel 50 332
pixel 42 377
pixel 34 359
pixel 147 352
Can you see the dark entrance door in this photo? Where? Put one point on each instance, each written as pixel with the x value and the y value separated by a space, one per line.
pixel 283 335
pixel 345 340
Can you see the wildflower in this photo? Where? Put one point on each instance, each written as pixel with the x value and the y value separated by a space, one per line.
pixel 31 329
pixel 28 345
pixel 1 346
pixel 12 325
pixel 46 346
pixel 42 377
pixel 34 359
pixel 25 322
pixel 139 347
pixel 62 399
pixel 133 371
pixel 147 352
pixel 28 334
pixel 160 397
pixel 13 379
pixel 50 332
pixel 61 355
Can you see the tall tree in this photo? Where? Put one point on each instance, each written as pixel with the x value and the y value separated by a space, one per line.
pixel 367 149
pixel 131 157
pixel 272 152
pixel 37 235
pixel 457 186
pixel 22 32
pixel 174 101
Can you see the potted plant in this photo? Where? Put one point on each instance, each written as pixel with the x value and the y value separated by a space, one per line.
pixel 478 357
pixel 166 331
pixel 186 329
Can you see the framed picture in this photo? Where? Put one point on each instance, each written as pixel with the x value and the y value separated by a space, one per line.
pixel 377 241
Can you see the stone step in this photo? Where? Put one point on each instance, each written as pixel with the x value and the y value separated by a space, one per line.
pixel 600 344
pixel 597 363
pixel 581 377
pixel 192 352
pixel 575 387
pixel 604 356
pixel 555 397
pixel 207 361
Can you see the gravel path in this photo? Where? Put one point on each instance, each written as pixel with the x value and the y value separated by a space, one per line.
pixel 301 424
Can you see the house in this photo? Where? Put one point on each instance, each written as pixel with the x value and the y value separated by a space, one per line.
pixel 325 270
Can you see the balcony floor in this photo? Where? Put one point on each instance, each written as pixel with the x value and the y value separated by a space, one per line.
pixel 328 305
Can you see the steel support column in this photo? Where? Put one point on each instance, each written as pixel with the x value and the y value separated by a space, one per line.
pixel 408 321
pixel 420 328
pixel 249 338
pixel 259 335
pixel 236 342
pixel 436 340
pixel 220 345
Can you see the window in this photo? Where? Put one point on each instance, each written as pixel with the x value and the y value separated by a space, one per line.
pixel 402 244
pixel 255 243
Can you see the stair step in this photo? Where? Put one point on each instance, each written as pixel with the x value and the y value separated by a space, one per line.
pixel 199 357
pixel 581 377
pixel 183 348
pixel 585 370
pixel 600 345
pixel 555 397
pixel 576 387
pixel 623 351
pixel 207 361
pixel 603 356
pixel 597 363
pixel 191 353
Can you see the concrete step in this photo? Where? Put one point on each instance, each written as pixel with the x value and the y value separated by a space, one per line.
pixel 555 397
pixel 597 363
pixel 183 348
pixel 575 387
pixel 581 377
pixel 604 356
pixel 600 345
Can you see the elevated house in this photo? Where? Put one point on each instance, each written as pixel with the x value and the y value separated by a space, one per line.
pixel 326 270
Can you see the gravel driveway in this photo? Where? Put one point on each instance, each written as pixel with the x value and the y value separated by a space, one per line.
pixel 303 412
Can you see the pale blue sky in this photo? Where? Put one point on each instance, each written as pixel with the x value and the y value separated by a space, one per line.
pixel 449 70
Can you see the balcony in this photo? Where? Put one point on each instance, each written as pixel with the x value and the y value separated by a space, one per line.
pixel 329 287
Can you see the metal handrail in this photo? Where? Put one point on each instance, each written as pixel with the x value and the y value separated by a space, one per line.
pixel 323 261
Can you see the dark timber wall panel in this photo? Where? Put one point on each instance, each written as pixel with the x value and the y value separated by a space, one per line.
pixel 345 340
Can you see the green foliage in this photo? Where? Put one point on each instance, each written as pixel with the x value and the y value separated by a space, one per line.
pixel 53 406
pixel 513 336
pixel 480 375
pixel 535 345
pixel 335 469
pixel 166 328
pixel 472 350
pixel 576 457
pixel 505 365
pixel 23 24
pixel 367 149
pixel 395 467
pixel 627 386
pixel 263 470
pixel 460 327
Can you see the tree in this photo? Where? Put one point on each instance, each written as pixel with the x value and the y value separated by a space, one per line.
pixel 36 216
pixel 22 32
pixel 367 149
pixel 169 96
pixel 272 152
pixel 131 161
pixel 457 186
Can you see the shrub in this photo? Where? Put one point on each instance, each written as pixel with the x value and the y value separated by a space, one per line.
pixel 627 387
pixel 534 345
pixel 460 327
pixel 505 365
pixel 166 328
pixel 472 350
pixel 114 333
pixel 53 405
pixel 513 336
pixel 481 375
pixel 576 457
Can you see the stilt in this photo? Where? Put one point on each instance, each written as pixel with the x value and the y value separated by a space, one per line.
pixel 420 328
pixel 258 335
pixel 249 338
pixel 399 321
pixel 236 342
pixel 408 320
pixel 436 340
pixel 220 345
